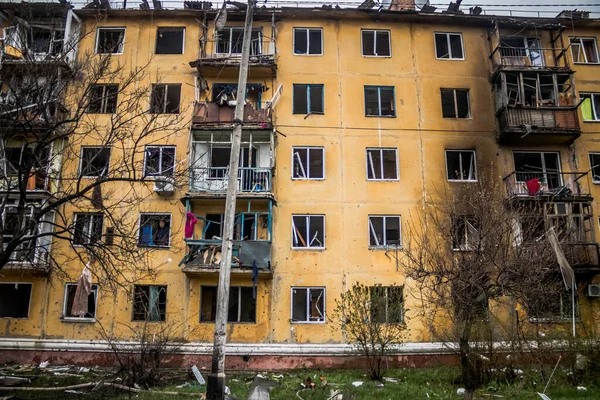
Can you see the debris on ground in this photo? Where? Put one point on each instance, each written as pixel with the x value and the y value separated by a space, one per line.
pixel 44 364
pixel 260 389
pixel 581 388
pixel 393 380
pixel 13 380
pixel 335 395
pixel 308 383
pixel 543 396
pixel 184 385
pixel 198 376
pixel 460 391
pixel 379 385
pixel 357 383
pixel 278 376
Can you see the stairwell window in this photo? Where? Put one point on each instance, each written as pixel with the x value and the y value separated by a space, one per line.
pixel 159 160
pixel 110 40
pixel 449 46
pixel 94 161
pixel 461 166
pixel 87 228
pixel 165 98
pixel 169 40
pixel 92 302
pixel 380 101
pixel 308 163
pixel 590 106
pixel 384 231
pixel 307 99
pixel 242 304
pixel 308 41
pixel 149 303
pixel 308 231
pixel 155 230
pixel 103 99
pixel 15 299
pixel 382 164
pixel 584 50
pixel 308 304
pixel 455 103
pixel 376 43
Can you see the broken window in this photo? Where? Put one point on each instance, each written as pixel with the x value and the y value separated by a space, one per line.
pixel 308 163
pixel 465 233
pixel 169 40
pixel 584 50
pixel 521 51
pixel 45 40
pixel 455 103
pixel 213 226
pixel 19 225
pixel 87 228
pixel 380 101
pixel 159 160
pixel 242 304
pixel 376 43
pixel 15 299
pixel 307 99
pixel 149 303
pixel 103 99
pixel 308 231
pixel 595 167
pixel 230 39
pixel 308 41
pixel 165 99
pixel 155 230
pixel 387 304
pixel 16 158
pixel 543 166
pixel 590 106
pixel 460 165
pixel 382 164
pixel 308 304
pixel 94 161
pixel 449 46
pixel 384 231
pixel 70 290
pixel 110 40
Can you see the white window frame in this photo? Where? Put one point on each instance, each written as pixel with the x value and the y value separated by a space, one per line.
pixel 160 157
pixel 104 98
pixel 30 297
pixel 307 166
pixel 450 58
pixel 81 161
pixel 375 33
pixel 384 245
pixel 307 233
pixel 307 41
pixel 469 116
pixel 108 28
pixel 579 39
pixel 590 154
pixel 369 163
pixel 93 218
pixel 182 40
pixel 139 227
pixel 308 290
pixel 79 319
pixel 594 98
pixel 230 29
pixel 460 160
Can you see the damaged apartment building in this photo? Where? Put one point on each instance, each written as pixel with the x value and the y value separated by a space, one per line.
pixel 352 117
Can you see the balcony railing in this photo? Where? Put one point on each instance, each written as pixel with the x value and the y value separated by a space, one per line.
pixel 548 184
pixel 528 57
pixel 229 52
pixel 215 179
pixel 581 254
pixel 212 113
pixel 206 253
pixel 36 183
pixel 524 119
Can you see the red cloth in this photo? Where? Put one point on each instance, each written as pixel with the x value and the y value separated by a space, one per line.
pixel 190 221
pixel 533 185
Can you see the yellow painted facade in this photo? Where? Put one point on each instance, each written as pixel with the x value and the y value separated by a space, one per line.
pixel 345 196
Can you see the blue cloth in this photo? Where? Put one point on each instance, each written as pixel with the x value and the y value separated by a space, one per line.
pixel 254 277
pixel 146 237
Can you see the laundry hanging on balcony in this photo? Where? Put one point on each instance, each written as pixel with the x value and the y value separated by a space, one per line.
pixel 533 186
pixel 190 221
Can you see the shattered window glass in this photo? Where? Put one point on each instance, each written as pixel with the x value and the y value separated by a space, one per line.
pixel 308 304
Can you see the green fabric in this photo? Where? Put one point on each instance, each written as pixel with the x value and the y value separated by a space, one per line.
pixel 586 109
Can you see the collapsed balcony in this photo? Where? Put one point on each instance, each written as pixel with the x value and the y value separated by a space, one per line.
pixel 206 113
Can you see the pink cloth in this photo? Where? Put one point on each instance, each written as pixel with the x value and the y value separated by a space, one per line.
pixel 533 185
pixel 190 221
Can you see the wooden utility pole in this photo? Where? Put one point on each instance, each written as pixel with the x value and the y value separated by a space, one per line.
pixel 216 379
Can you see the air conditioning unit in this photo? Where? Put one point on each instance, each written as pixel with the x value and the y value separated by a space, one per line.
pixel 593 290
pixel 164 185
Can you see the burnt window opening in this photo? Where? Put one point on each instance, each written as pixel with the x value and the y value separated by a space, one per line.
pixel 230 39
pixel 87 228
pixel 307 99
pixel 308 304
pixel 534 89
pixel 308 41
pixel 387 304
pixel 169 40
pixel 595 167
pixel 45 40
pixel 384 231
pixel 308 163
pixel 110 40
pixel 21 160
pixel 155 230
pixel 380 101
pixel 376 43
pixel 465 232
pixel 103 99
pixel 542 166
pixel 213 226
pixel 382 164
pixel 455 103
pixel 159 161
pixel 165 99
pixel 308 231
pixel 461 165
pixel 17 226
pixel 149 303
pixel 15 299
pixel 94 161
pixel 70 290
pixel 449 46
pixel 242 304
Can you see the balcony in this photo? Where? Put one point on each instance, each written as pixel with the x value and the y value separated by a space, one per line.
pixel 207 115
pixel 214 180
pixel 582 255
pixel 227 52
pixel 538 126
pixel 556 186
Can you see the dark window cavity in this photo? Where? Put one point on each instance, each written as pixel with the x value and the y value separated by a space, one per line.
pixel 149 303
pixel 308 231
pixel 465 233
pixel 70 290
pixel 455 103
pixel 379 101
pixel 595 167
pixel 165 99
pixel 155 230
pixel 213 227
pixel 308 163
pixel 384 230
pixel 45 41
pixel 460 165
pixel 103 99
pixel 110 40
pixel 230 39
pixel 387 304
pixel 376 43
pixel 544 166
pixel 242 304
pixel 308 304
pixel 307 99
pixel 308 41
pixel 88 228
pixel 14 300
pixel 20 224
pixel 159 161
pixel 382 164
pixel 449 46
pixel 169 40
pixel 94 161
